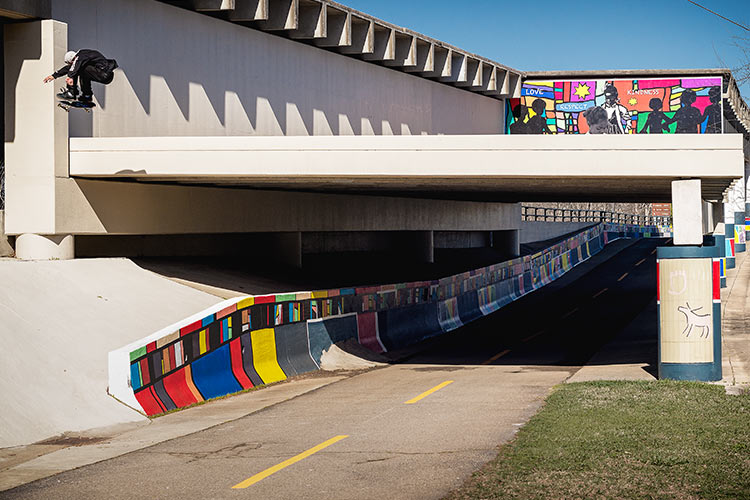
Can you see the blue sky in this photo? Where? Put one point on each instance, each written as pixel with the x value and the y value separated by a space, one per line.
pixel 545 35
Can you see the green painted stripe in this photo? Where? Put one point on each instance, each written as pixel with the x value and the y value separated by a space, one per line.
pixel 282 297
pixel 137 353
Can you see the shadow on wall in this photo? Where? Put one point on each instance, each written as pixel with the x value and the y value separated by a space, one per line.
pixel 185 73
pixel 15 52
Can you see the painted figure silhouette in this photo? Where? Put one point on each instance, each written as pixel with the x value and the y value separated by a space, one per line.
pixel 520 112
pixel 537 123
pixel 655 124
pixel 618 116
pixel 713 112
pixel 688 118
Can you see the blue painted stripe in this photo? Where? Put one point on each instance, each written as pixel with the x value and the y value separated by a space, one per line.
pixel 212 374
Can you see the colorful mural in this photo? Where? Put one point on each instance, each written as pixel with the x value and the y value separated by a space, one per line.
pixel 264 339
pixel 642 106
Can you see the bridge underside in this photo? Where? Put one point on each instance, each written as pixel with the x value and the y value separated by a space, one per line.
pixel 476 168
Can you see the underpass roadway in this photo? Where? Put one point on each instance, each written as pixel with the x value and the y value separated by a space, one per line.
pixel 416 428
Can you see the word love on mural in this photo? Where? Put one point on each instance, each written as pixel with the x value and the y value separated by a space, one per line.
pixel 644 106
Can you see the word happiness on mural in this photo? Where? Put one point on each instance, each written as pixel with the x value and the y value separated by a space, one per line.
pixel 644 106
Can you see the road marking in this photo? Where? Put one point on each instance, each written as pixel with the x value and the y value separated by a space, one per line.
pixel 570 313
pixel 534 336
pixel 286 463
pixel 640 262
pixel 496 357
pixel 653 251
pixel 599 292
pixel 622 277
pixel 427 393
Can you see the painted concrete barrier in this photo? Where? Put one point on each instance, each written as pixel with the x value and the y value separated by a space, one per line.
pixel 739 232
pixel 246 342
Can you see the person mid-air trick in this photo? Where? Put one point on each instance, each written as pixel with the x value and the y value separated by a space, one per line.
pixel 86 66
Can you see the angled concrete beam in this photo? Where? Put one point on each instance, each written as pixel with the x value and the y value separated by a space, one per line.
pixel 385 44
pixel 282 15
pixel 514 85
pixel 249 10
pixel 459 69
pixel 213 5
pixel 405 54
pixel 312 21
pixel 339 29
pixel 495 81
pixel 473 74
pixel 363 37
pixel 425 62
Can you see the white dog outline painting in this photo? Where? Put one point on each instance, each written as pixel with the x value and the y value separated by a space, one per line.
pixel 694 319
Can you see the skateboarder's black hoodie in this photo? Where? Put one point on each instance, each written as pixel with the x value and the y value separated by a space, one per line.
pixel 88 65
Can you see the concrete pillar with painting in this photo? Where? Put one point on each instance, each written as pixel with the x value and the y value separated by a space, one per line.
pixel 689 294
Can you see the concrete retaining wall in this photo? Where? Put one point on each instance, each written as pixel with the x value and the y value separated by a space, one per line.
pixel 185 73
pixel 245 342
pixel 531 231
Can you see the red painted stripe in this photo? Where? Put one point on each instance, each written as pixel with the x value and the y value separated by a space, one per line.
pixel 178 390
pixel 172 359
pixel 265 299
pixel 367 332
pixel 149 402
pixel 717 280
pixel 145 375
pixel 235 350
pixel 151 347
pixel 190 328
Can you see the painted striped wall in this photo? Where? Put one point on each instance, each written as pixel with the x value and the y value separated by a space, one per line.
pixel 264 339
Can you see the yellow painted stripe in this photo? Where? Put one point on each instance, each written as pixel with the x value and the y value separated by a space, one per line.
pixel 322 294
pixel 622 277
pixel 202 340
pixel 286 463
pixel 600 292
pixel 427 393
pixel 264 356
pixel 496 357
pixel 245 302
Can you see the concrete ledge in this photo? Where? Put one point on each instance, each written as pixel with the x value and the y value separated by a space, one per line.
pixel 40 247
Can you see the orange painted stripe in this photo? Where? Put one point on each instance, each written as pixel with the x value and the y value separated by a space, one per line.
pixel 191 385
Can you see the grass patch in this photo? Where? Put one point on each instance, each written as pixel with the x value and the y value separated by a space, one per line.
pixel 660 439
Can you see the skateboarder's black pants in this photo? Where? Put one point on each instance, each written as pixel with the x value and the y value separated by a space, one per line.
pixel 90 74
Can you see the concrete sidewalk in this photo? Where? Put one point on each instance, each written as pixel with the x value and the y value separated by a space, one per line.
pixel 632 355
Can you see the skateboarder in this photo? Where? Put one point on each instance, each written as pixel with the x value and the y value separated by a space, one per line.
pixel 86 65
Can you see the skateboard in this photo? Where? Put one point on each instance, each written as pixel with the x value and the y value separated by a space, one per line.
pixel 67 104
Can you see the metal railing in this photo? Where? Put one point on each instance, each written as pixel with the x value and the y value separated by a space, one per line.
pixel 2 185
pixel 585 215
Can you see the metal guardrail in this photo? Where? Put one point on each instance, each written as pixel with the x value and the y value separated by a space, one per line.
pixel 585 215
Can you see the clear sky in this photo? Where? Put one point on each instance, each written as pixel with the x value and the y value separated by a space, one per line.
pixel 546 35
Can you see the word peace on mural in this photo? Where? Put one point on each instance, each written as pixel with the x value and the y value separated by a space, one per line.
pixel 647 106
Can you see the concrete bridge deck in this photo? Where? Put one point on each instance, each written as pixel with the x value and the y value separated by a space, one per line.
pixel 477 167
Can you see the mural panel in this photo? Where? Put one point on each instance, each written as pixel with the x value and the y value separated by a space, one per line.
pixel 642 106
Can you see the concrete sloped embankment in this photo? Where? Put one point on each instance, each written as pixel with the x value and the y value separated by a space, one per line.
pixel 248 341
pixel 58 321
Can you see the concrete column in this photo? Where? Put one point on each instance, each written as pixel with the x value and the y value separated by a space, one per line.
pixel 421 246
pixel 687 212
pixel 739 232
pixel 729 241
pixel 39 247
pixel 36 139
pixel 507 242
pixel 286 248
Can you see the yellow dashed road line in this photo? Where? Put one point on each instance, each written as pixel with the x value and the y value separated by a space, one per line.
pixel 622 277
pixel 427 393
pixel 496 357
pixel 286 463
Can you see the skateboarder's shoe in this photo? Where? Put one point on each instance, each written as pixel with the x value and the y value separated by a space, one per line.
pixel 87 99
pixel 66 94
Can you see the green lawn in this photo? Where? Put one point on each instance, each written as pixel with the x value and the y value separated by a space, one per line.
pixel 625 440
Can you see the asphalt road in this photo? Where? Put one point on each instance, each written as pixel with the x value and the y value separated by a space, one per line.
pixel 415 429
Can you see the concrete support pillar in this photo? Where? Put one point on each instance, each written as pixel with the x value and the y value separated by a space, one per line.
pixel 36 140
pixel 39 247
pixel 739 232
pixel 507 242
pixel 687 212
pixel 286 248
pixel 421 246
pixel 729 241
